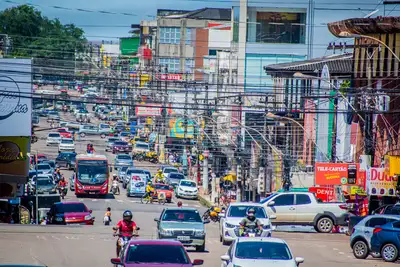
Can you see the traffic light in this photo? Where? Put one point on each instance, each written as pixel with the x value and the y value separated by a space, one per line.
pixel 352 174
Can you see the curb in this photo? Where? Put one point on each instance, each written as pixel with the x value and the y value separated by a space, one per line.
pixel 204 202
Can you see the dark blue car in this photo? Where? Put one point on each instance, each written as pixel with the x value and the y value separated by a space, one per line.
pixel 386 241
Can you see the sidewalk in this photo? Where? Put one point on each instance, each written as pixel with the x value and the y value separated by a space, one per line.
pixel 205 200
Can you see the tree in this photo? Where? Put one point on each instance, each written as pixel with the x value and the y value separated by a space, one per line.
pixel 34 35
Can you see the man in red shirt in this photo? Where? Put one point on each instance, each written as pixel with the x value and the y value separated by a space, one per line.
pixel 126 228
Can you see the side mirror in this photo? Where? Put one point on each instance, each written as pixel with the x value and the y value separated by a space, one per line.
pixel 271 203
pixel 299 260
pixel 90 211
pixel 156 219
pixel 116 261
pixel 225 258
pixel 198 262
pixel 272 217
pixel 206 221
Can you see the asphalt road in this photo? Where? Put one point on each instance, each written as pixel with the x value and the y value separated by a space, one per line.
pixel 71 246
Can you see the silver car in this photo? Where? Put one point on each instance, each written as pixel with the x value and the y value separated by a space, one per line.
pixel 360 239
pixel 122 160
pixel 174 178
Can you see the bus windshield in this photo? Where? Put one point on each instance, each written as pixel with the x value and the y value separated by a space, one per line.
pixel 92 172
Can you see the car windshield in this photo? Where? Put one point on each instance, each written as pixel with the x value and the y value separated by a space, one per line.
pixel 92 172
pixel 123 169
pixel 176 176
pixel 241 211
pixel 43 167
pixel 188 183
pixel 143 146
pixel 112 140
pixel 181 215
pixel 159 254
pixel 125 134
pixel 168 170
pixel 267 198
pixel 104 126
pixel 62 131
pixel 134 171
pixel 44 182
pixel 120 143
pixel 51 163
pixel 262 251
pixel 67 141
pixel 124 157
pixel 54 135
pixel 72 207
pixel 162 186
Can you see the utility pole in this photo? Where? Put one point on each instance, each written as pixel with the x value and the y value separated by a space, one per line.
pixel 36 190
pixel 370 106
pixel 264 154
pixel 185 127
pixel 238 158
pixel 287 160
pixel 205 142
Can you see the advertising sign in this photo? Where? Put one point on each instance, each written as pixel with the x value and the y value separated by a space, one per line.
pixel 148 111
pixel 169 77
pixel 177 128
pixel 14 159
pixel 15 97
pixel 336 174
pixel 392 165
pixel 381 184
pixel 326 194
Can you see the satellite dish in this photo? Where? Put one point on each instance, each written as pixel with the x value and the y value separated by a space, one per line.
pixel 370 14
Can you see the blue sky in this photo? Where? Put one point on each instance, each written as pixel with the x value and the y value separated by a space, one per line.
pixel 93 22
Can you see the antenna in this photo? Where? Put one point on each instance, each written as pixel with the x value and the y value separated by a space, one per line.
pixel 370 14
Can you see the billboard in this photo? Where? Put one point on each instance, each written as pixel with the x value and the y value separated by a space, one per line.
pixel 177 128
pixel 336 174
pixel 148 111
pixel 129 46
pixel 381 184
pixel 15 97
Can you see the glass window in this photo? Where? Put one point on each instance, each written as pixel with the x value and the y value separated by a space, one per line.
pixel 189 32
pixel 67 141
pixel 277 27
pixel 176 176
pixel 189 65
pixel 188 183
pixel 43 167
pixel 181 215
pixel 170 35
pixel 123 156
pixel 241 211
pixel 263 251
pixel 168 170
pixel 54 135
pixel 212 52
pixel 75 207
pixel 44 182
pixel 284 200
pixel 162 187
pixel 173 64
pixel 374 222
pixel 302 199
pixel 157 254
pixel 396 225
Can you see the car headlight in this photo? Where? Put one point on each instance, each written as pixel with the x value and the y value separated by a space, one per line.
pixel 200 233
pixel 228 225
pixel 266 227
pixel 88 217
pixel 166 232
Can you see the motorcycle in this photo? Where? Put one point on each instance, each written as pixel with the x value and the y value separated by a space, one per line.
pixel 212 214
pixel 63 191
pixel 124 241
pixel 115 187
pixel 251 232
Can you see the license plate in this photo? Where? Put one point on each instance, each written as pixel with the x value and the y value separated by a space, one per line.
pixel 92 193
pixel 183 238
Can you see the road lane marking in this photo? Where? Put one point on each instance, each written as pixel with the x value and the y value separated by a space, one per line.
pixel 341 253
pixel 335 249
pixel 54 237
pixel 120 200
pixel 107 200
pixel 67 237
pixel 94 200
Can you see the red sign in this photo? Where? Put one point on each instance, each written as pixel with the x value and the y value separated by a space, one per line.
pixel 336 174
pixel 148 111
pixel 169 77
pixel 326 194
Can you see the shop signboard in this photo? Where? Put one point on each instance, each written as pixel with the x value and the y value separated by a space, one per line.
pixel 336 174
pixel 177 128
pixel 148 111
pixel 14 159
pixel 326 194
pixel 15 104
pixel 392 165
pixel 381 184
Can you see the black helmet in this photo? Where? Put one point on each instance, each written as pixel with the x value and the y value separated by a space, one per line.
pixel 127 216
pixel 251 211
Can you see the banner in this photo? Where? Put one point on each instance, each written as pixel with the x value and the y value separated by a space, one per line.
pixel 392 165
pixel 177 128
pixel 381 184
pixel 148 111
pixel 336 174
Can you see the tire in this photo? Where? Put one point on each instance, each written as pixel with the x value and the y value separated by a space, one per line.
pixel 162 202
pixel 324 225
pixel 360 250
pixel 389 253
pixel 201 248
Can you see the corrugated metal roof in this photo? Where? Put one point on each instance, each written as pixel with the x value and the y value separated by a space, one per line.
pixel 337 64
pixel 205 14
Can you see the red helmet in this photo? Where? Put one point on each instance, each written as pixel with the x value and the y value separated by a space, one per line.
pixel 179 204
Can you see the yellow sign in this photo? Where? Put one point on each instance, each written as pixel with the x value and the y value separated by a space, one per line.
pixel 14 159
pixel 356 190
pixel 392 165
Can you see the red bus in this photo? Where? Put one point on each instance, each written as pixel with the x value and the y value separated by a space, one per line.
pixel 91 175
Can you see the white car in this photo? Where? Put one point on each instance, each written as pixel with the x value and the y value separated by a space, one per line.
pixel 66 144
pixel 187 189
pixel 259 251
pixel 53 138
pixel 229 223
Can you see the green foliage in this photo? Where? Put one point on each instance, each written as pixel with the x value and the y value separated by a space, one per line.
pixel 344 86
pixel 34 35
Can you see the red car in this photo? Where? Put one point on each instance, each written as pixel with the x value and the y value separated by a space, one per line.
pixel 70 213
pixel 64 133
pixel 121 147
pixel 154 253
pixel 165 189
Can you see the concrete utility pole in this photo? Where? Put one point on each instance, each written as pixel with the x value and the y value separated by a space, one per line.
pixel 370 107
pixel 205 142
pixel 238 159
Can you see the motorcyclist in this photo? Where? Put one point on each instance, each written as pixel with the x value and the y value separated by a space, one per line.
pixel 57 175
pixel 115 181
pixel 159 177
pixel 149 190
pixel 126 228
pixel 62 184
pixel 250 221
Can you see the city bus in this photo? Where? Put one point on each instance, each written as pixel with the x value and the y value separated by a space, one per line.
pixel 91 175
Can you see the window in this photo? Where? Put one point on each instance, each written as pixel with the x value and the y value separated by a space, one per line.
pixel 173 64
pixel 170 35
pixel 189 65
pixel 212 52
pixel 263 251
pixel 393 210
pixel 241 211
pixel 277 27
pixel 302 199
pixel 181 215
pixel 78 207
pixel 284 200
pixel 374 222
pixel 188 183
pixel 396 225
pixel 189 32
pixel 164 254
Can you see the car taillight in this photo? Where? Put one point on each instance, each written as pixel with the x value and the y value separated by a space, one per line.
pixel 377 230
pixel 343 206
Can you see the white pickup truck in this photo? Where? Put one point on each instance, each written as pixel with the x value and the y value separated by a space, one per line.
pixel 302 208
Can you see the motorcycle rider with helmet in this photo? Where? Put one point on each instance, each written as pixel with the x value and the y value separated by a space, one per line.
pixel 116 182
pixel 126 228
pixel 250 221
pixel 159 177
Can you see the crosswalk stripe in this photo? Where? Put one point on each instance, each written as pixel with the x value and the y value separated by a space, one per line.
pixel 120 200
pixel 94 200
pixel 108 200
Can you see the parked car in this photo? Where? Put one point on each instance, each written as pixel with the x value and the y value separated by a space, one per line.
pixel 184 225
pixel 121 147
pixel 229 223
pixel 64 133
pixel 70 213
pixel 186 189
pixel 123 160
pixel 53 138
pixel 167 253
pixel 66 159
pixel 91 130
pixel 385 240
pixel 173 178
pixel 66 144
pixel 166 189
pixel 302 208
pixel 168 170
pixel 44 168
pixel 110 142
pixel 258 251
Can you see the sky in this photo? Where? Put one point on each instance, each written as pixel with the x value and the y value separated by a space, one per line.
pixel 100 26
